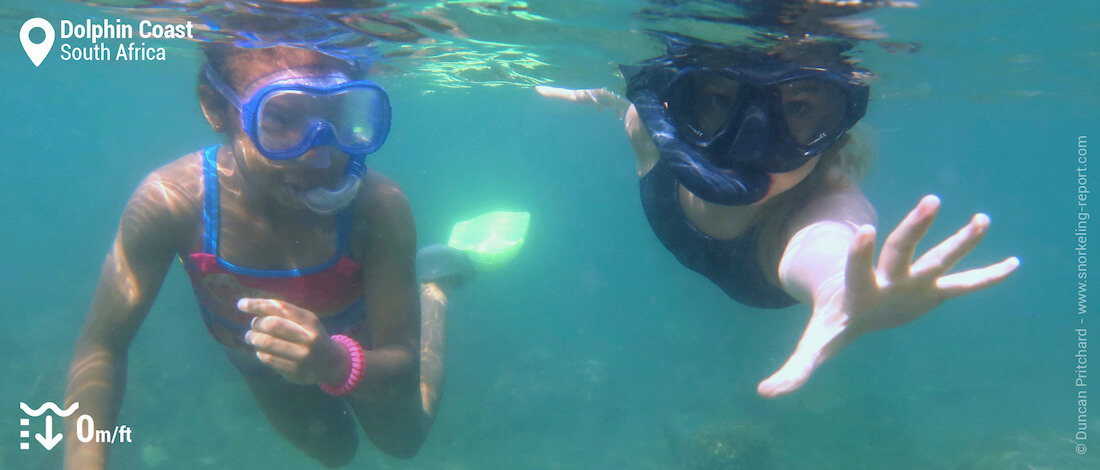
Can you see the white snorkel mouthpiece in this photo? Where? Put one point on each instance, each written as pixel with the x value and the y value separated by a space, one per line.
pixel 326 201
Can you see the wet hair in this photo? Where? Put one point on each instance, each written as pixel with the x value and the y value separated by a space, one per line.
pixel 232 62
pixel 685 51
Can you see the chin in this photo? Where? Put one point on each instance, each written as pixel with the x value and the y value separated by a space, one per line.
pixel 783 182
pixel 287 197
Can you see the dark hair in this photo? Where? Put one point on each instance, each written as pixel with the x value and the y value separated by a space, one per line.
pixel 230 62
pixel 685 51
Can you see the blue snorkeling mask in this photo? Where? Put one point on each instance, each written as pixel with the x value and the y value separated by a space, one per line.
pixel 293 113
pixel 722 130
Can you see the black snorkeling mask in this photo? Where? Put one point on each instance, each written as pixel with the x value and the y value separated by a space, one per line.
pixel 722 130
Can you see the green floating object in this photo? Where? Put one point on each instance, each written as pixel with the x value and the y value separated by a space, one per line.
pixel 491 240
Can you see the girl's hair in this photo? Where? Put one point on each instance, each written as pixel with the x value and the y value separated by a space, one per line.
pixel 685 51
pixel 230 62
pixel 853 154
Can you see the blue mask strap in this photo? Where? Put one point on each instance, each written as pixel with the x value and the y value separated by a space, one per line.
pixel 223 87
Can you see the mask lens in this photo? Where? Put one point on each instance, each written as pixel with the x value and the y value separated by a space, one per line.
pixel 813 109
pixel 360 116
pixel 284 119
pixel 287 118
pixel 702 104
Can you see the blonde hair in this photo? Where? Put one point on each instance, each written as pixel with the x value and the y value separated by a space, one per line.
pixel 857 151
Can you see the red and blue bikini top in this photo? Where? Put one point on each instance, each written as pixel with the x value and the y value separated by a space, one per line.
pixel 332 290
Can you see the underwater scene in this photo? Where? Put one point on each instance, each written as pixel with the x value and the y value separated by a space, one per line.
pixel 584 329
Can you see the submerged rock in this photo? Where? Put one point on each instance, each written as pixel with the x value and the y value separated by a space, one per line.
pixel 1028 451
pixel 728 446
pixel 153 455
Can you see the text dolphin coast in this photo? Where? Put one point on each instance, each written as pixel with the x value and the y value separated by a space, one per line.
pixel 96 31
pixel 119 30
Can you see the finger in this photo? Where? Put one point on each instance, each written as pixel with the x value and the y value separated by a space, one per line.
pixel 283 329
pixel 897 250
pixel 286 368
pixel 943 257
pixel 860 271
pixel 954 285
pixel 272 307
pixel 275 346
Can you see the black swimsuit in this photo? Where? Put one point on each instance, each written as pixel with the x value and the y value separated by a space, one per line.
pixel 731 264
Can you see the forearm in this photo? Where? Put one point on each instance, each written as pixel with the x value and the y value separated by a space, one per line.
pixel 644 149
pixel 97 380
pixel 817 253
pixel 392 364
pixel 433 345
pixel 390 374
pixel 397 408
pixel 391 368
pixel 814 257
pixel 389 403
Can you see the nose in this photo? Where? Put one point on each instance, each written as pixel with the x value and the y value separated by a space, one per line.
pixel 751 145
pixel 317 157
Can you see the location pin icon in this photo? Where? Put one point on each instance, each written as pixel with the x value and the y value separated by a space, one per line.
pixel 37 52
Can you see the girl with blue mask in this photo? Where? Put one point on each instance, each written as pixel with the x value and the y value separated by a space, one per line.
pixel 301 259
pixel 747 175
pixel 295 111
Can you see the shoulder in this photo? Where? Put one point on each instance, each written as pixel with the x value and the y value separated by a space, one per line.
pixel 181 175
pixel 384 213
pixel 381 196
pixel 168 198
pixel 836 198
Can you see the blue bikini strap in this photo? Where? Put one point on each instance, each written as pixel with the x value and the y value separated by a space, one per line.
pixel 210 200
pixel 211 219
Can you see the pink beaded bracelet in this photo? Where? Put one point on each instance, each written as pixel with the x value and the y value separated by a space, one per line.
pixel 357 365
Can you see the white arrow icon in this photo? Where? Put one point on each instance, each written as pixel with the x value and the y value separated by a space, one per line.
pixel 37 52
pixel 50 439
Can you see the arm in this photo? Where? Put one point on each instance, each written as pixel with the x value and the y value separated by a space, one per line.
pixel 129 281
pixel 829 263
pixel 599 97
pixel 389 405
pixel 818 239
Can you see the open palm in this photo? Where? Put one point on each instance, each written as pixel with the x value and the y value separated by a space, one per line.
pixel 867 298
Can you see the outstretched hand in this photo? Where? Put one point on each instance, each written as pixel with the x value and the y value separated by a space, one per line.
pixel 601 98
pixel 292 340
pixel 867 298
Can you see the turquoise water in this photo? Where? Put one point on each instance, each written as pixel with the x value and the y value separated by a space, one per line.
pixel 595 348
